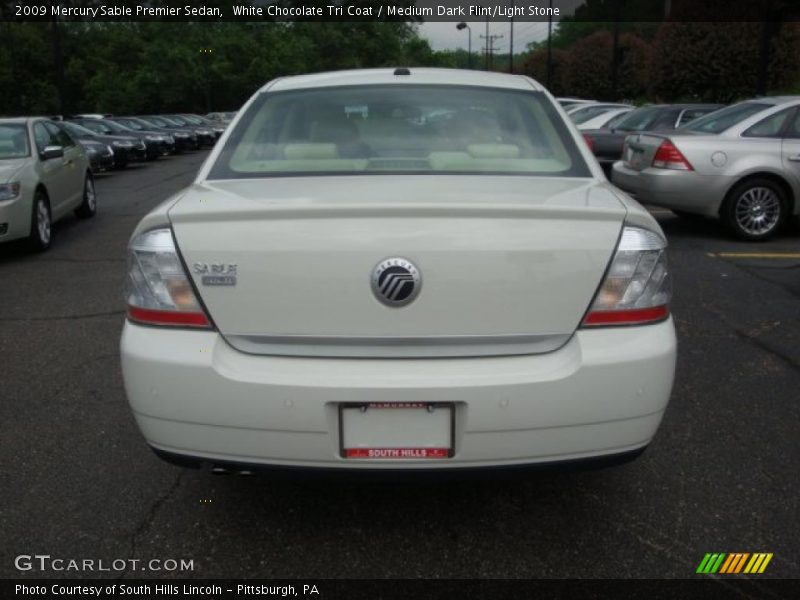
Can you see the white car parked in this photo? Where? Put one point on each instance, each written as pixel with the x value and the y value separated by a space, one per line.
pixel 442 278
pixel 44 176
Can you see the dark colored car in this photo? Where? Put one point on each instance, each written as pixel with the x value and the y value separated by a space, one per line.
pixel 162 139
pixel 185 137
pixel 127 148
pixel 216 127
pixel 101 156
pixel 607 143
pixel 205 134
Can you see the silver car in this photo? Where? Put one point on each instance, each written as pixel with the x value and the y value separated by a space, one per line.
pixel 740 164
pixel 44 176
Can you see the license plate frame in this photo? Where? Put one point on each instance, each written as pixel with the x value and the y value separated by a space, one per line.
pixel 397 453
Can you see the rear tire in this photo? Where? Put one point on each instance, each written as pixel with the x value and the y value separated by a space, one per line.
pixel 755 210
pixel 41 233
pixel 88 207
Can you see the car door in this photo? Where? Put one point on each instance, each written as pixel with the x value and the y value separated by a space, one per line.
pixel 790 150
pixel 52 172
pixel 74 169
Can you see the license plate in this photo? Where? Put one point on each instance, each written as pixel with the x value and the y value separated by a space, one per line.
pixel 396 430
pixel 635 158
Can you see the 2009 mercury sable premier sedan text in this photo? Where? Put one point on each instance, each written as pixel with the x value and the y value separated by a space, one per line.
pixel 398 269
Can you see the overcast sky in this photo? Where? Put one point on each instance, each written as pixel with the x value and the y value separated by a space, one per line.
pixel 445 36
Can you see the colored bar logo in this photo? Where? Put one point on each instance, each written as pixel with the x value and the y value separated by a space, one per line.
pixel 734 563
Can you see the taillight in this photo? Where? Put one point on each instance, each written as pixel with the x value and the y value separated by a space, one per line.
pixel 669 157
pixel 158 289
pixel 589 142
pixel 636 289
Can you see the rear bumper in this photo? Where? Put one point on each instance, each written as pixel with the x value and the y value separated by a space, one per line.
pixel 602 394
pixel 681 190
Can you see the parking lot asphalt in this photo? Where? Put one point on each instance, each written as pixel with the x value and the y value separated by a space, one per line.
pixel 77 480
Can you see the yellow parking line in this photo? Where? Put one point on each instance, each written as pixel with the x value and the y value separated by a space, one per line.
pixel 788 255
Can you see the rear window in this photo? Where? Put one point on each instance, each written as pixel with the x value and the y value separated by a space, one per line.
pixel 725 118
pixel 639 119
pixel 13 141
pixel 399 129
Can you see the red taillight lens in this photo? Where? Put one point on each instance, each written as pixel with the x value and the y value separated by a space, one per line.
pixel 159 290
pixel 636 289
pixel 589 142
pixel 669 157
pixel 629 316
pixel 168 317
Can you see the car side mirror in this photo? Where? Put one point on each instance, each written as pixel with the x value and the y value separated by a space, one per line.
pixel 52 152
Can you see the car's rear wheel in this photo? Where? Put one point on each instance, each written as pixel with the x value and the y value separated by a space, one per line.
pixel 41 223
pixel 755 209
pixel 88 207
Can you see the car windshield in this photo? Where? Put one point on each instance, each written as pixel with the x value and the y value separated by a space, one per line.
pixel 156 121
pixel 723 119
pixel 148 123
pixel 400 129
pixel 116 127
pixel 77 130
pixel 191 119
pixel 130 124
pixel 97 127
pixel 13 141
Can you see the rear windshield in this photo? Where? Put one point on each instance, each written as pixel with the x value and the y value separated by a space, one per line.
pixel 639 119
pixel 399 129
pixel 13 141
pixel 720 120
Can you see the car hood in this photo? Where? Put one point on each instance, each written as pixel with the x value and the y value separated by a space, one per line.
pixel 9 167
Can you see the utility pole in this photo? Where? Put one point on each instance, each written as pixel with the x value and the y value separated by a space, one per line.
pixel 486 47
pixel 511 41
pixel 489 48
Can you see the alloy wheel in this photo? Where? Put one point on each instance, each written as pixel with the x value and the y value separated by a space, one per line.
pixel 758 210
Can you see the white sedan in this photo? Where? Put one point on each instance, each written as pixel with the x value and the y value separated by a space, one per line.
pixel 398 269
pixel 44 176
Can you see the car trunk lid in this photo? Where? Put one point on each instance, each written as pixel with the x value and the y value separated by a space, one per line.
pixel 501 259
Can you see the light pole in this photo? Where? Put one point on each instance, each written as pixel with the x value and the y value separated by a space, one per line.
pixel 461 26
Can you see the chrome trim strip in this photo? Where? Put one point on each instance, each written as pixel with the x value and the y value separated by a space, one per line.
pixel 398 346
